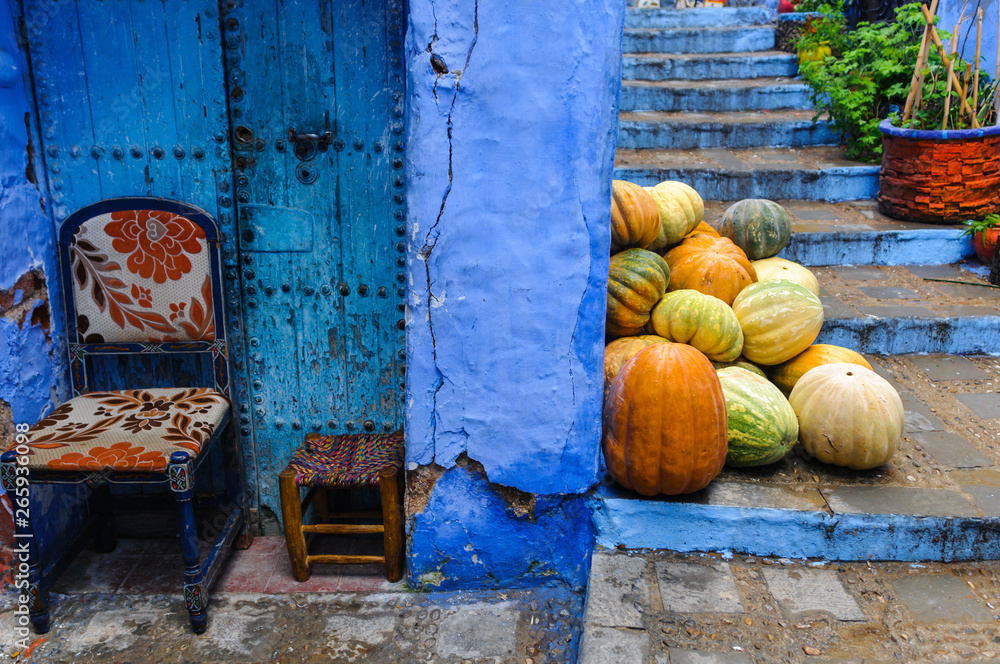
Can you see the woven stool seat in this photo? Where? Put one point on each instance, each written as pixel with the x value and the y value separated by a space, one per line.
pixel 350 460
pixel 347 461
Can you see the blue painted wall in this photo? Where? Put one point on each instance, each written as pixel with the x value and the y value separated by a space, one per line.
pixel 32 347
pixel 951 10
pixel 512 116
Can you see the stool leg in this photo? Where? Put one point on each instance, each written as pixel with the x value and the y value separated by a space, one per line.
pixel 392 521
pixel 291 514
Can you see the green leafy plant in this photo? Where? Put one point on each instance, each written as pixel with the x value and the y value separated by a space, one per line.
pixel 868 71
pixel 980 226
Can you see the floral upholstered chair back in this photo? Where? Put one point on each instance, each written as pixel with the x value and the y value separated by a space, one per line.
pixel 139 276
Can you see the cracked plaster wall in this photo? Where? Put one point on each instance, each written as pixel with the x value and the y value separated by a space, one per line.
pixel 951 10
pixel 512 119
pixel 32 354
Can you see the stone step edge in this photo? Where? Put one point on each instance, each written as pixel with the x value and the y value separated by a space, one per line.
pixel 885 335
pixel 786 533
pixel 905 247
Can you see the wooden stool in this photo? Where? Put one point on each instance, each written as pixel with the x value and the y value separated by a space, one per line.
pixel 344 461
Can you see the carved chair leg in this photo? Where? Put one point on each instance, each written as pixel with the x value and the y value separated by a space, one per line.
pixel 181 473
pixel 291 515
pixel 105 535
pixel 388 484
pixel 14 481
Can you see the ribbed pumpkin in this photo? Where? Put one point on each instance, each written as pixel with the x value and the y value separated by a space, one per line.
pixel 759 227
pixel 710 265
pixel 676 215
pixel 762 424
pixel 693 197
pixel 786 374
pixel 780 319
pixel 665 422
pixel 703 229
pixel 620 351
pixel 848 415
pixel 637 280
pixel 705 322
pixel 770 269
pixel 742 363
pixel 635 221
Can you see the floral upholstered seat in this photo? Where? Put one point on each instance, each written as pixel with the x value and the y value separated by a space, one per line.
pixel 129 430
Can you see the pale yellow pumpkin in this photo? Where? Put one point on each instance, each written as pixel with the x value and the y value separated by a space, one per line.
pixel 780 319
pixel 848 415
pixel 675 217
pixel 697 204
pixel 705 322
pixel 770 269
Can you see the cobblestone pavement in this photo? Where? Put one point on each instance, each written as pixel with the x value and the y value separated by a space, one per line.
pixel 458 627
pixel 666 608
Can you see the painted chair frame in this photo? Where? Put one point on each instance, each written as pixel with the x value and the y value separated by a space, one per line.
pixel 180 471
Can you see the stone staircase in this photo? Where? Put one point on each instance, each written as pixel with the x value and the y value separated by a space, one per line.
pixel 707 100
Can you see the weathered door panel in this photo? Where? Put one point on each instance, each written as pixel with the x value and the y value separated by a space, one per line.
pixel 316 113
pixel 131 101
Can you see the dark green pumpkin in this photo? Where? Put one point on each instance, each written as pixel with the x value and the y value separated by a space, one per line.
pixel 637 279
pixel 759 227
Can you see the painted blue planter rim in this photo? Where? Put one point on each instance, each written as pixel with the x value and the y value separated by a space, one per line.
pixel 887 128
pixel 797 17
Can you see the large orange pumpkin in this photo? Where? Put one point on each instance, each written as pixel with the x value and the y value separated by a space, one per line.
pixel 635 219
pixel 620 351
pixel 665 422
pixel 710 265
pixel 703 229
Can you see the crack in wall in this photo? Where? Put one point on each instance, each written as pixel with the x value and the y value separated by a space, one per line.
pixel 430 241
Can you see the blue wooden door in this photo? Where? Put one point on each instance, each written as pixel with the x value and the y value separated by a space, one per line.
pixel 316 115
pixel 130 100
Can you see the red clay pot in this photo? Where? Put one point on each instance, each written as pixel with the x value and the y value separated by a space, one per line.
pixel 985 244
pixel 939 176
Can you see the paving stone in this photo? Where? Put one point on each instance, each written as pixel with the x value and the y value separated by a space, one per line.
pixel 898 500
pixel 860 273
pixel 801 590
pixel 810 227
pixel 618 593
pixel 817 214
pixel 905 311
pixel 697 588
pixel 951 449
pixel 740 494
pixel 683 656
pixel 834 308
pixel 353 635
pixel 243 631
pixel 479 630
pixel 937 271
pixel 986 498
pixel 948 367
pixel 917 415
pixel 967 311
pixel 889 293
pixel 986 406
pixel 602 645
pixel 881 371
pixel 961 290
pixel 939 598
pixel 978 477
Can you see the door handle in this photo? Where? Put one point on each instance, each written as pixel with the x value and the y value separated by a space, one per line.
pixel 325 138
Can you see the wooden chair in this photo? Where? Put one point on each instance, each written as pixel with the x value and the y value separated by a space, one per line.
pixel 139 275
pixel 345 461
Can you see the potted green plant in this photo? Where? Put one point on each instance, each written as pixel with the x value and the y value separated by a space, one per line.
pixel 985 233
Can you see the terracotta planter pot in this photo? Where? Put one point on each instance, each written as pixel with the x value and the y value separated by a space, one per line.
pixel 985 244
pixel 939 176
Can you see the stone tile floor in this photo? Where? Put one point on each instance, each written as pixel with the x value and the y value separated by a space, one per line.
pixel 126 607
pixel 822 217
pixel 667 608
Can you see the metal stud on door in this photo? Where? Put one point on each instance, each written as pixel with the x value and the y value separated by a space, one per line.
pixel 315 110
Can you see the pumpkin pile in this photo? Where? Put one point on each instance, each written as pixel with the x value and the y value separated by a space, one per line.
pixel 711 359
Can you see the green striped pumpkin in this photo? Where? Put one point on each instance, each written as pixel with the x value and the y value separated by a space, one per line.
pixel 742 363
pixel 705 322
pixel 636 280
pixel 763 427
pixel 759 227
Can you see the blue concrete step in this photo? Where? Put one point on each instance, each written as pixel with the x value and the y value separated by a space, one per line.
pixel 813 173
pixel 718 96
pixel 707 17
pixel 852 246
pixel 736 131
pixel 732 39
pixel 704 66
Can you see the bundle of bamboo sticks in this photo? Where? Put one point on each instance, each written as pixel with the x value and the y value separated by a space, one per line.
pixel 914 100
